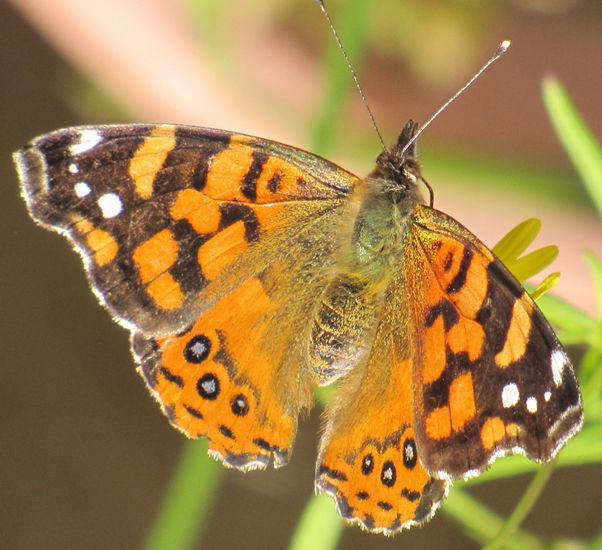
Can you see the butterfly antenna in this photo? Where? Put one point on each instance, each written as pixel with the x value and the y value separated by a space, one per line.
pixel 499 51
pixel 352 70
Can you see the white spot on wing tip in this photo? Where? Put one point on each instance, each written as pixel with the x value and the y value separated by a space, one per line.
pixel 73 168
pixel 82 189
pixel 531 404
pixel 558 361
pixel 110 205
pixel 510 395
pixel 88 139
pixel 547 396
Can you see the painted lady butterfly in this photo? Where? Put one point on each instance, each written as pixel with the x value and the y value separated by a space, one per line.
pixel 248 270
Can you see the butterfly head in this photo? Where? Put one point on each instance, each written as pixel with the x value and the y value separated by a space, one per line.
pixel 398 168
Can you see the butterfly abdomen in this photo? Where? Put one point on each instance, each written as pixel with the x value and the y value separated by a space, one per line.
pixel 342 326
pixel 347 312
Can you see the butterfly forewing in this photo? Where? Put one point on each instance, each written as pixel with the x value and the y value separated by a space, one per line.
pixel 149 208
pixel 490 376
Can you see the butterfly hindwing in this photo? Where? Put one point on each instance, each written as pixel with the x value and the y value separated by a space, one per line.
pixel 217 379
pixel 489 375
pixel 368 458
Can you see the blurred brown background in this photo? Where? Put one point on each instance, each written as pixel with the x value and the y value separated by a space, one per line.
pixel 86 454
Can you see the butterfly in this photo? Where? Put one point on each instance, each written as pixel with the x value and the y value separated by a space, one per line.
pixel 248 271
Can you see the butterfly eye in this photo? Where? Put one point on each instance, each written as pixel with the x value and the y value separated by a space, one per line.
pixel 411 168
pixel 408 174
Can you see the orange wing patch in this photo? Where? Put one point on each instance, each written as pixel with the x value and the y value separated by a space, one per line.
pixel 518 333
pixel 103 246
pixel 155 255
pixel 226 175
pixel 460 409
pixel 153 258
pixel 495 431
pixel 150 157
pixel 199 210
pixel 369 460
pixel 221 250
pixel 216 381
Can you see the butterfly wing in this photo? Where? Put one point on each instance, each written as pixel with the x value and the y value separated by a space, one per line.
pixel 225 378
pixel 211 247
pixel 489 375
pixel 368 457
pixel 158 212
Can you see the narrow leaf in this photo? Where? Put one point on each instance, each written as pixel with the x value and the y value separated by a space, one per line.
pixel 528 265
pixel 482 524
pixel 546 285
pixel 188 499
pixel 320 526
pixel 522 509
pixel 596 267
pixel 579 143
pixel 516 241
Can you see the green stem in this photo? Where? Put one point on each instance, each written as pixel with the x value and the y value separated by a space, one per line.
pixel 524 506
pixel 481 524
pixel 320 526
pixel 350 22
pixel 189 496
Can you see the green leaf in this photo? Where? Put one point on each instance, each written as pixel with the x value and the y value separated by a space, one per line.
pixel 590 372
pixel 546 285
pixel 482 524
pixel 320 526
pixel 578 141
pixel 189 497
pixel 528 265
pixel 577 327
pixel 596 267
pixel 516 241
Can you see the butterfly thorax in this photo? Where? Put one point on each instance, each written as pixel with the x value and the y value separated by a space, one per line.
pixel 391 194
pixel 381 227
pixel 347 313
